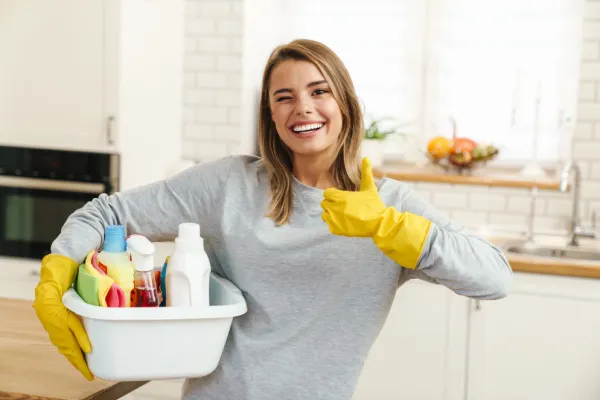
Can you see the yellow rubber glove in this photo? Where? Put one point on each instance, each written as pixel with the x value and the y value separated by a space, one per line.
pixel 64 328
pixel 400 235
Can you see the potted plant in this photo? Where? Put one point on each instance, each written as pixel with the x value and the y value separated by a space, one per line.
pixel 373 143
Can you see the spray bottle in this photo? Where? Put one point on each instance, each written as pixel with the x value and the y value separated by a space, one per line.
pixel 145 292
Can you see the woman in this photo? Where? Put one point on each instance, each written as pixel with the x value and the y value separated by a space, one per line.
pixel 315 244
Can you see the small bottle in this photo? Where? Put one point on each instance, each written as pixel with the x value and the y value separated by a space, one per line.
pixel 145 292
pixel 188 271
pixel 163 283
pixel 115 261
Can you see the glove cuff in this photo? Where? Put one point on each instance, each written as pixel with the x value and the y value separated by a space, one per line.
pixel 402 236
pixel 60 269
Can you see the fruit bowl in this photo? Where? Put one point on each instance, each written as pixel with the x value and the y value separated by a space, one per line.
pixel 461 167
pixel 460 155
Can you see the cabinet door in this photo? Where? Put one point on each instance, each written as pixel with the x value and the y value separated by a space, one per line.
pixel 168 389
pixel 541 342
pixel 18 278
pixel 417 356
pixel 52 73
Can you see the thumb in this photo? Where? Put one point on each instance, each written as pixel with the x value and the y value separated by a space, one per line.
pixel 366 182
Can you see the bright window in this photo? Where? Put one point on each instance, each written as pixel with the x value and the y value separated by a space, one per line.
pixel 491 66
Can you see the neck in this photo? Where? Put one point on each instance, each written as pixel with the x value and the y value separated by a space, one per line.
pixel 313 171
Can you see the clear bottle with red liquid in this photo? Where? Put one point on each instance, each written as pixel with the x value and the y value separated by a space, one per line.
pixel 146 292
pixel 145 289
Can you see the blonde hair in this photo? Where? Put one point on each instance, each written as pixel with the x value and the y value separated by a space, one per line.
pixel 277 157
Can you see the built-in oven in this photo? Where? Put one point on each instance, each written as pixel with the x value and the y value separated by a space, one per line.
pixel 40 188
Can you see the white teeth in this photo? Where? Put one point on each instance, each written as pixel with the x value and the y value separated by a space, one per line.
pixel 305 128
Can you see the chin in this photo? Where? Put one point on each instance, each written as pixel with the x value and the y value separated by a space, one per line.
pixel 310 149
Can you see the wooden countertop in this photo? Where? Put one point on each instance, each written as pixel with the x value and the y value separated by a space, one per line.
pixel 32 368
pixel 555 267
pixel 487 176
pixel 549 265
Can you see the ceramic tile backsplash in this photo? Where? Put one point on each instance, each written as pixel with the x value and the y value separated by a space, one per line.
pixel 212 92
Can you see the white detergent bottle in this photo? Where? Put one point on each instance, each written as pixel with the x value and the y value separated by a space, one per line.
pixel 188 270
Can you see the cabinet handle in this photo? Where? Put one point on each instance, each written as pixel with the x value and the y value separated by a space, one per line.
pixel 109 130
pixel 477 305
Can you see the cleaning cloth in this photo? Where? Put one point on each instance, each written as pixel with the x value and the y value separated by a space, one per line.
pixel 109 293
pixel 87 286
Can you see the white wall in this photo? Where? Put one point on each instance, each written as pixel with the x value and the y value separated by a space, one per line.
pixel 212 93
pixel 216 58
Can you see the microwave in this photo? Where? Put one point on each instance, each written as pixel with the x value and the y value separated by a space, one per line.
pixel 41 188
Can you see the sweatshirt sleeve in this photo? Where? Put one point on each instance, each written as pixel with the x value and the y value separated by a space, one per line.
pixel 154 210
pixel 452 256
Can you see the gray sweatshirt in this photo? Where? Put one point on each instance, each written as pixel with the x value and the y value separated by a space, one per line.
pixel 316 302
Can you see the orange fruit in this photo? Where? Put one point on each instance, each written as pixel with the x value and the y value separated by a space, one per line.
pixel 439 147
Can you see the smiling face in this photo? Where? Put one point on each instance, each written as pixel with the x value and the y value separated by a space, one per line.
pixel 306 115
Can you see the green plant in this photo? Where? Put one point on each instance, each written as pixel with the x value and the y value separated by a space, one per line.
pixel 374 130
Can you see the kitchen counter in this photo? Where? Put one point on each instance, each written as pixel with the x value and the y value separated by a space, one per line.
pixel 551 265
pixel 32 368
pixel 491 176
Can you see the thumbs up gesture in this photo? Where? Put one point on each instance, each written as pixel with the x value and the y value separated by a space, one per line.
pixel 357 214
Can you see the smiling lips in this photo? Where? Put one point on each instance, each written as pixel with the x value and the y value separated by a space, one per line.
pixel 305 128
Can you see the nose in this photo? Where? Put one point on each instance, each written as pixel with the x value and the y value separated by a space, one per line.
pixel 304 105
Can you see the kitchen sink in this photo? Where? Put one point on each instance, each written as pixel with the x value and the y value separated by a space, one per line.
pixel 565 252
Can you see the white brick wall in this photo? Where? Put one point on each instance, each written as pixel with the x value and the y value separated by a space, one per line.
pixel 212 98
pixel 212 92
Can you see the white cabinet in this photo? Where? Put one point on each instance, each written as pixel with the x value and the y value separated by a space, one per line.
pixel 541 342
pixel 418 355
pixel 18 278
pixel 168 389
pixel 95 75
pixel 52 73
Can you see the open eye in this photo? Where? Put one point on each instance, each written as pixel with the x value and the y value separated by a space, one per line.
pixel 319 92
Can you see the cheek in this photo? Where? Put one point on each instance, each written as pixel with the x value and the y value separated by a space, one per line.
pixel 277 116
pixel 333 113
pixel 281 111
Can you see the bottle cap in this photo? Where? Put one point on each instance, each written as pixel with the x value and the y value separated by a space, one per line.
pixel 189 230
pixel 142 252
pixel 114 239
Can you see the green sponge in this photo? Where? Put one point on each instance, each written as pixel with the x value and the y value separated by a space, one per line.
pixel 87 286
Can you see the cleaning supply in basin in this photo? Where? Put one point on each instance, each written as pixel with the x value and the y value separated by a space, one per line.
pixel 115 261
pixel 87 286
pixel 163 283
pixel 188 272
pixel 108 293
pixel 145 292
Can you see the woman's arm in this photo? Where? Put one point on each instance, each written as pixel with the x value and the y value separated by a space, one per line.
pixel 154 210
pixel 454 257
pixel 415 236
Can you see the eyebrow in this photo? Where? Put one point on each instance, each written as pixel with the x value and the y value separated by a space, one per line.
pixel 286 90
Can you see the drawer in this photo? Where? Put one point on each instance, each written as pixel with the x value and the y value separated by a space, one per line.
pixel 18 288
pixel 169 389
pixel 17 268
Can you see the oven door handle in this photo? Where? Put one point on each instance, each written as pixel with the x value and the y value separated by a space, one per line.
pixel 51 184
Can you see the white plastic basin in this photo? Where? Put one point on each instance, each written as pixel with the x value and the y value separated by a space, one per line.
pixel 141 344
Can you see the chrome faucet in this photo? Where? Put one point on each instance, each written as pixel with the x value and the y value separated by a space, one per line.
pixel 575 230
